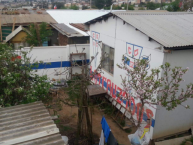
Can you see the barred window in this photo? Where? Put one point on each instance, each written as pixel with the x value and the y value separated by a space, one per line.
pixel 108 58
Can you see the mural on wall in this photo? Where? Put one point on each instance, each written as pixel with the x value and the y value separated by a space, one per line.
pixel 95 44
pixel 132 52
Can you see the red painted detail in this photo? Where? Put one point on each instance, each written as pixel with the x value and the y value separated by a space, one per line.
pixel 108 84
pixel 99 77
pixel 126 104
pixel 136 52
pixel 120 91
pixel 114 94
pixel 131 64
pixel 97 36
pixel 149 113
pixel 118 100
pixel 111 92
pixel 129 50
pixel 104 79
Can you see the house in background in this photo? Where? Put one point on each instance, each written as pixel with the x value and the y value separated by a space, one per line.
pixel 64 35
pixel 159 36
pixel 11 19
pixel 17 37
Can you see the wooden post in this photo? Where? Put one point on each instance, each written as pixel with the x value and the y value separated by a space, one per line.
pixel 0 29
pixel 13 28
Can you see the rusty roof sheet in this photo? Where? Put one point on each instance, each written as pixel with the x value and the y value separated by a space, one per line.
pixel 66 30
pixel 26 19
pixel 80 26
pixel 28 124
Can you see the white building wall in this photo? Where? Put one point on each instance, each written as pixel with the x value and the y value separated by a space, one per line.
pixel 182 118
pixel 58 56
pixel 116 34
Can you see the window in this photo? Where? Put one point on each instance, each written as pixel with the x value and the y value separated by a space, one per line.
pixel 108 58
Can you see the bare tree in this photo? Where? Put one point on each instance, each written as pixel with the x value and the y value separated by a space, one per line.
pixel 77 89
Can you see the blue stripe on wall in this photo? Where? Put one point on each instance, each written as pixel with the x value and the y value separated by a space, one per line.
pixel 56 64
pixel 144 114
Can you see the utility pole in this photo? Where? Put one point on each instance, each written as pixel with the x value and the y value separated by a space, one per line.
pixel 127 5
pixel 90 4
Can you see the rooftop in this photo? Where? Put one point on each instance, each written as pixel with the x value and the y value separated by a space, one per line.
pixel 28 124
pixel 30 16
pixel 76 16
pixel 173 30
pixel 66 30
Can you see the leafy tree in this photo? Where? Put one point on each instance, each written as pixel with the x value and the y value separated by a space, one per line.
pixel 32 36
pixel 103 3
pixel 74 7
pixel 99 3
pixel 187 5
pixel 18 82
pixel 84 7
pixel 117 7
pixel 130 7
pixel 142 4
pixel 174 6
pixel 152 5
pixel 151 89
pixel 108 3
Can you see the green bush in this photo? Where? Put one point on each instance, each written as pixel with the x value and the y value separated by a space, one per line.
pixel 190 139
pixel 18 82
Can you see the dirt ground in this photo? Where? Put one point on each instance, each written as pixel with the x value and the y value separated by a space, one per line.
pixel 68 121
pixel 68 117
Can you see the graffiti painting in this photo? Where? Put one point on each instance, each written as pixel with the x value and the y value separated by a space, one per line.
pixel 133 52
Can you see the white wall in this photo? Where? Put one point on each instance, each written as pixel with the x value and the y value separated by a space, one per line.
pixel 58 56
pixel 115 34
pixel 179 119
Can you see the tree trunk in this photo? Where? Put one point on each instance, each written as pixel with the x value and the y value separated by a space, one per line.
pixel 88 121
pixel 140 113
pixel 79 124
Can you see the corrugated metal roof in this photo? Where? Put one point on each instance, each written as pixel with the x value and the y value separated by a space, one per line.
pixel 66 30
pixel 75 16
pixel 171 29
pixel 28 124
pixel 26 19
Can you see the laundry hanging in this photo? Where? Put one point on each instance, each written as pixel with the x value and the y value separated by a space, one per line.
pixel 112 140
pixel 106 128
pixel 102 138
